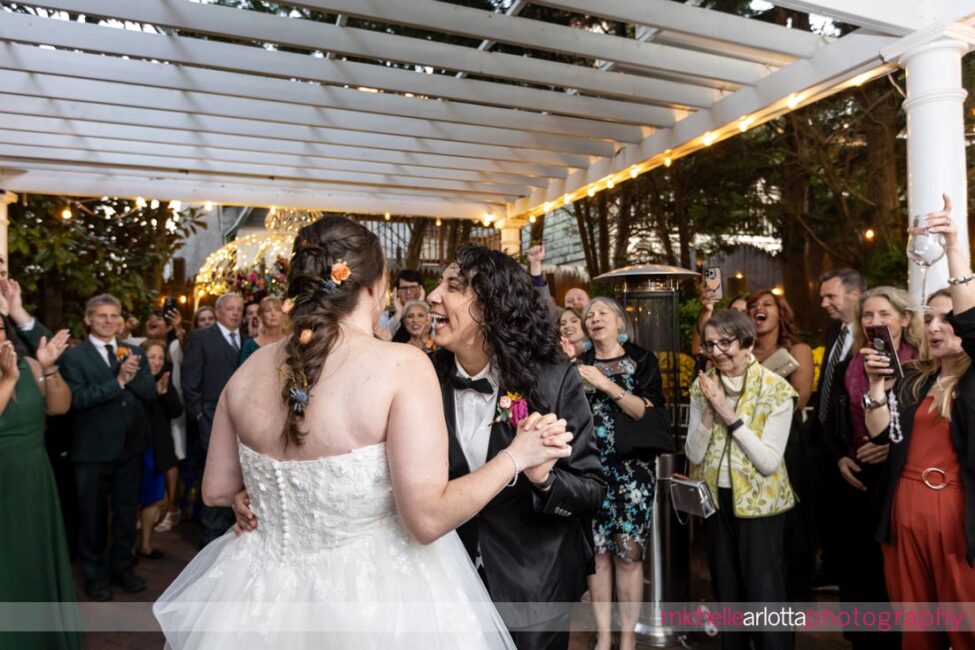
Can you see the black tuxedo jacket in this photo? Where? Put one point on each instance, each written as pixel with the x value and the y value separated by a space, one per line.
pixel 208 364
pixel 833 433
pixel 536 547
pixel 105 418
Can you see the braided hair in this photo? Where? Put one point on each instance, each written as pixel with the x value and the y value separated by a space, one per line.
pixel 322 295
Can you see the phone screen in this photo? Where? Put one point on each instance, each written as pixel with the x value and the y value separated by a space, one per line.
pixel 879 338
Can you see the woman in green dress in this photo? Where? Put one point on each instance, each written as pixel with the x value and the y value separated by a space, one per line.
pixel 34 565
pixel 273 327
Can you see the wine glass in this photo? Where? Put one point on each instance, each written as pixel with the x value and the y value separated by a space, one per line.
pixel 924 249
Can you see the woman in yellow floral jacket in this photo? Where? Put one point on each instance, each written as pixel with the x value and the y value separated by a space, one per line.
pixel 739 425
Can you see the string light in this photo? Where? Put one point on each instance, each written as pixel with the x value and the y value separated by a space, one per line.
pixel 387 216
pixel 793 101
pixel 532 219
pixel 548 206
pixel 744 123
pixel 610 184
pixel 634 172
pixel 140 202
pixel 208 205
pixel 668 162
pixel 175 206
pixel 566 199
pixel 182 300
pixel 869 234
pixel 709 138
pixel 777 291
pixel 66 214
pixel 439 223
pixel 592 191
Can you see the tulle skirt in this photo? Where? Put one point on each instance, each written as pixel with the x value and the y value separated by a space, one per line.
pixel 382 591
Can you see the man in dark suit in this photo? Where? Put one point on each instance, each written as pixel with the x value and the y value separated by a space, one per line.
pixel 533 542
pixel 840 291
pixel 211 357
pixel 110 383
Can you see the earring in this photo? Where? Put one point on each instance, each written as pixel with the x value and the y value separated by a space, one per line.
pixel 622 338
pixel 586 345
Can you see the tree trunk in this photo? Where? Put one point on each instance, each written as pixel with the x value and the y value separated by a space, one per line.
pixel 415 248
pixel 881 125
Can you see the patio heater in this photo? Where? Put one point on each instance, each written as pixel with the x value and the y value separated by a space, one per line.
pixel 649 293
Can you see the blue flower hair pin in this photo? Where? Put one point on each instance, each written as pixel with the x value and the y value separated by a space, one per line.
pixel 299 400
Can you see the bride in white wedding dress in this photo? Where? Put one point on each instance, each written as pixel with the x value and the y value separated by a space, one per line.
pixel 340 442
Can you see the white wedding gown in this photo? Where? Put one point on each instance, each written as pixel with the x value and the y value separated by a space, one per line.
pixel 329 566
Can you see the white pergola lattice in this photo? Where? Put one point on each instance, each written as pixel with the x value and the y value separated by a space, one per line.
pixel 191 101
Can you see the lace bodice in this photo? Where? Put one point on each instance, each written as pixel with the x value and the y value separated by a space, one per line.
pixel 305 507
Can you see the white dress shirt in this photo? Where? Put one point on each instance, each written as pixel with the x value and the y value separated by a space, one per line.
pixel 765 453
pixel 100 346
pixel 226 336
pixel 475 412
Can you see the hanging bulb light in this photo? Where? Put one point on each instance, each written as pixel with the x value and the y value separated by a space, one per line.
pixel 208 205
pixel 439 223
pixel 387 216
pixel 140 203
pixel 592 191
pixel 66 214
pixel 532 219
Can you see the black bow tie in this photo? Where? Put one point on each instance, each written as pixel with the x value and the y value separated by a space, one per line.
pixel 481 385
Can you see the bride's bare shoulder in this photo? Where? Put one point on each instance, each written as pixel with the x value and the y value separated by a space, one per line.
pixel 402 356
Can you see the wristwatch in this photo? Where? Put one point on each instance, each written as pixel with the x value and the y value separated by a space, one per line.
pixel 870 404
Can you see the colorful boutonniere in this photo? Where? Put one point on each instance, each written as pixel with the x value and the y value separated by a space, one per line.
pixel 512 408
pixel 121 353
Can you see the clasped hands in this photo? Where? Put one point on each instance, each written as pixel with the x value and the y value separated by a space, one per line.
pixel 540 441
pixel 713 392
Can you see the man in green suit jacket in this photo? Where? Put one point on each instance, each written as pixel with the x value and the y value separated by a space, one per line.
pixel 110 383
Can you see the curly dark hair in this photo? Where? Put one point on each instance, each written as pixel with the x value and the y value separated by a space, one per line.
pixel 788 330
pixel 320 302
pixel 517 330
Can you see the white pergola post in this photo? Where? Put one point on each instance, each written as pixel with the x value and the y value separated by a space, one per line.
pixel 511 240
pixel 5 200
pixel 935 134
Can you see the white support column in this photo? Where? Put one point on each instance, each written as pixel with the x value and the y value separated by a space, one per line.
pixel 935 131
pixel 6 199
pixel 511 240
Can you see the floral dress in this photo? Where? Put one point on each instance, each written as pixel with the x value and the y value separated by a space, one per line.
pixel 621 527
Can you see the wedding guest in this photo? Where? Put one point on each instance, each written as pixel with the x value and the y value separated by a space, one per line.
pixel 861 574
pixel 203 318
pixel 416 321
pixel 840 291
pixel 272 321
pixel 535 256
pixel 779 347
pixel 128 327
pixel 409 286
pixel 708 304
pixel 211 357
pixel 110 385
pixel 573 333
pixel 251 325
pixel 160 457
pixel 740 418
pixel 622 379
pixel 28 328
pixel 34 563
pixel 927 521
pixel 576 298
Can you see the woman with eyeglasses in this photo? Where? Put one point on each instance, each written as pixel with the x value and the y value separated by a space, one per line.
pixel 740 418
pixel 927 519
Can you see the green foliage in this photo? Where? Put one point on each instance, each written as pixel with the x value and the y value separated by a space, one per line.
pixel 108 245
pixel 885 266
pixel 687 313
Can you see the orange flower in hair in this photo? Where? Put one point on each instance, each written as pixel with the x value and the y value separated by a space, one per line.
pixel 304 337
pixel 341 272
pixel 287 305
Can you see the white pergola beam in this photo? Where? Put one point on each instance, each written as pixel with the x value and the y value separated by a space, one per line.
pixel 256 60
pixel 15 178
pixel 850 57
pixel 96 145
pixel 118 94
pixel 720 28
pixel 336 154
pixel 367 182
pixel 123 115
pixel 539 35
pixel 109 68
pixel 896 17
pixel 262 27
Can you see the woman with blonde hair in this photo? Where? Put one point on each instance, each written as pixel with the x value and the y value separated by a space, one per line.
pixel 862 462
pixel 927 516
pixel 273 320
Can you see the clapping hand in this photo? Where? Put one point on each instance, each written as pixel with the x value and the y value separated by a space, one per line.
pixel 48 352
pixel 162 384
pixel 567 347
pixel 713 392
pixel 8 362
pixel 129 368
pixel 595 378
